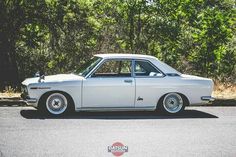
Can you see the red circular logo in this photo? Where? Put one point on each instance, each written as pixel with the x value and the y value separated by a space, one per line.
pixel 117 149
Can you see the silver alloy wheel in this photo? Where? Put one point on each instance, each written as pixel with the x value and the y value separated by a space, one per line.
pixel 173 103
pixel 56 103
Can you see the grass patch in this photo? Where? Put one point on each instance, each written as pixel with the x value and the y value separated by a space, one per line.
pixel 224 91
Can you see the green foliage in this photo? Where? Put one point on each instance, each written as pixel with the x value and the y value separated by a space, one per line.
pixel 56 36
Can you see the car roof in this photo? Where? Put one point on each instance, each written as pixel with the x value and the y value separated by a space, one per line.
pixel 129 56
pixel 161 65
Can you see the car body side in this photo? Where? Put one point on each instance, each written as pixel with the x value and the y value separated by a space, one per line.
pixel 149 89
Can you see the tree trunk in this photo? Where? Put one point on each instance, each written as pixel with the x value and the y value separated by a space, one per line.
pixel 8 65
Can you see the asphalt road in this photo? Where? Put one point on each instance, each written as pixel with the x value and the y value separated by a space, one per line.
pixel 199 131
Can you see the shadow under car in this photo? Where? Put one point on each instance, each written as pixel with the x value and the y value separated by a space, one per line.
pixel 125 115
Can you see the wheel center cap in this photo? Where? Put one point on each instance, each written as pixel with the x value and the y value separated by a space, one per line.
pixel 56 103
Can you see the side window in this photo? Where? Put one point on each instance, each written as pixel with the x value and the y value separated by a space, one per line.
pixel 144 68
pixel 114 68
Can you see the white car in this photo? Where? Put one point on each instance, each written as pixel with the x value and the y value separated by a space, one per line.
pixel 118 82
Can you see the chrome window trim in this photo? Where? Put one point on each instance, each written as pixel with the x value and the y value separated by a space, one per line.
pixel 88 75
pixel 151 65
pixel 103 61
pixel 132 68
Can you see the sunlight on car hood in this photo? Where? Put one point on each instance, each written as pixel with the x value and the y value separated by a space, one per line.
pixel 53 78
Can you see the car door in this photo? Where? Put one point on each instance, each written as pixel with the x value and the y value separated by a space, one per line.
pixel 110 86
pixel 150 84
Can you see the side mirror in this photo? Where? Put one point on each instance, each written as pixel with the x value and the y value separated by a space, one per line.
pixel 37 74
pixel 42 77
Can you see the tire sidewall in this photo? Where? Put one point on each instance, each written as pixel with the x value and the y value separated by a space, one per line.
pixel 162 108
pixel 43 105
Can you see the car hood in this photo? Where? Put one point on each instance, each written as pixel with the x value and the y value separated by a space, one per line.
pixel 53 78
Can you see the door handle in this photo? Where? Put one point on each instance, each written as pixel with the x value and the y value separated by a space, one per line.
pixel 128 81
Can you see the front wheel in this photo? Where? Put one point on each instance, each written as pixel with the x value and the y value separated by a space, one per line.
pixel 173 103
pixel 56 104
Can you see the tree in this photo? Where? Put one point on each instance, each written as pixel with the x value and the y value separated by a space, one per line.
pixel 56 36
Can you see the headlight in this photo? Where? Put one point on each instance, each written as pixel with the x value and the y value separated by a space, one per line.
pixel 24 90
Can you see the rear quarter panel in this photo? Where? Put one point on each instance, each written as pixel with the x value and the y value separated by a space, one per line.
pixel 152 89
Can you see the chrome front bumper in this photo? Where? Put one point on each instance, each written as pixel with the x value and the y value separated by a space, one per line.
pixel 207 98
pixel 29 101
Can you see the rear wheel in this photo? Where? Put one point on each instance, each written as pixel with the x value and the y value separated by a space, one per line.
pixel 173 103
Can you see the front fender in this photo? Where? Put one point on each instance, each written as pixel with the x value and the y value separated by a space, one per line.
pixel 72 88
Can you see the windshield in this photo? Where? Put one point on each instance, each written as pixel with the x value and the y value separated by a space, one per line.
pixel 88 66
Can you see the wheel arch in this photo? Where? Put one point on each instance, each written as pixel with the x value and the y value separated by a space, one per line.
pixel 186 101
pixel 46 94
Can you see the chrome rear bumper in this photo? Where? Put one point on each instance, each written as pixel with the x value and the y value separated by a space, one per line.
pixel 207 98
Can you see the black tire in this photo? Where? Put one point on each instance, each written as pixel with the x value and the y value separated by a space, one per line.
pixel 173 98
pixel 49 101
